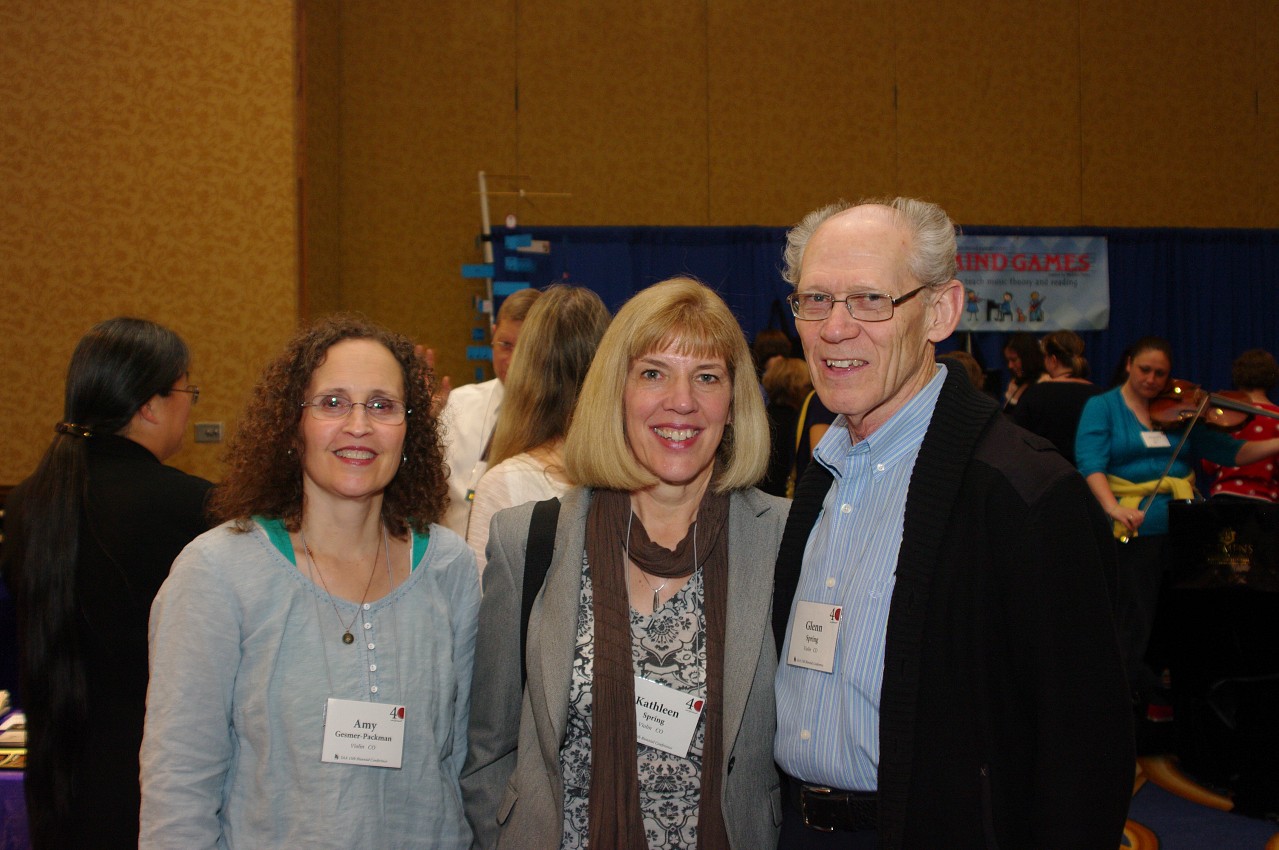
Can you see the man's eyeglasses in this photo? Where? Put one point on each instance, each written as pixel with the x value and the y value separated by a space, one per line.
pixel 864 306
pixel 194 391
pixel 387 411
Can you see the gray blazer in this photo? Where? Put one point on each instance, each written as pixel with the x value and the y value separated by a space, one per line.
pixel 519 801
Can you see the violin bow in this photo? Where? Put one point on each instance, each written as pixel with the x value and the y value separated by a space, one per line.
pixel 1149 499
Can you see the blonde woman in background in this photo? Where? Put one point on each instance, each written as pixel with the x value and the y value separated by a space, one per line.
pixel 969 365
pixel 557 343
pixel 1052 407
pixel 787 383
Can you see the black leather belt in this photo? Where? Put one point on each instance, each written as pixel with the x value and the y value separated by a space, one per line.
pixel 831 809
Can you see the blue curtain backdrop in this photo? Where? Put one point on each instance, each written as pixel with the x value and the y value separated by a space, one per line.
pixel 1210 292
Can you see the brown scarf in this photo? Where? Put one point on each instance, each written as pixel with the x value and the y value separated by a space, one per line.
pixel 615 817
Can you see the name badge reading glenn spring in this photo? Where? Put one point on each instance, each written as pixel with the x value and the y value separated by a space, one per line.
pixel 813 635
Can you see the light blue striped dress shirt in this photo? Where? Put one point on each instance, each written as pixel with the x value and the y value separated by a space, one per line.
pixel 828 723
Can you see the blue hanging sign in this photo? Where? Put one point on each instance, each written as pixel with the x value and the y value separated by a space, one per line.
pixel 507 287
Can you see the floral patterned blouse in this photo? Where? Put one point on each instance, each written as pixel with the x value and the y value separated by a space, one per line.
pixel 668 647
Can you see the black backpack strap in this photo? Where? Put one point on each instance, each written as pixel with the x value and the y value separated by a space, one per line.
pixel 537 561
pixel 810 492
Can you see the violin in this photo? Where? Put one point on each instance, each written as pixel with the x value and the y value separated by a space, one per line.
pixel 1184 401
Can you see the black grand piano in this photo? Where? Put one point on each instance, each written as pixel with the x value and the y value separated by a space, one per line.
pixel 1220 624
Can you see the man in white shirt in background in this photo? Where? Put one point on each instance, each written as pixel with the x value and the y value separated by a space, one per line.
pixel 470 414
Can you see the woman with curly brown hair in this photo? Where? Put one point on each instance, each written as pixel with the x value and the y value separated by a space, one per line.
pixel 311 657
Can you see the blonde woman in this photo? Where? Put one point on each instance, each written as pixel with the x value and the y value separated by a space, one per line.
pixel 660 583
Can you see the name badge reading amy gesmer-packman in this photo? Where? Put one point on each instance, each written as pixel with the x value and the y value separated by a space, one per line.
pixel 363 733
pixel 813 635
pixel 665 718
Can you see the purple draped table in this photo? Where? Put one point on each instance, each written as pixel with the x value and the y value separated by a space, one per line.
pixel 13 812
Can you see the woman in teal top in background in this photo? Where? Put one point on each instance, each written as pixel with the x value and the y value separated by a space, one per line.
pixel 1121 455
pixel 311 657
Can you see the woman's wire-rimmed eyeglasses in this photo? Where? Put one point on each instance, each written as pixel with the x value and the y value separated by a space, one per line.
pixel 387 411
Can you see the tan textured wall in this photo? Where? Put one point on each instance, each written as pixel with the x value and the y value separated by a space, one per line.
pixel 146 168
pixel 426 103
pixel 1182 113
pixel 723 112
pixel 320 155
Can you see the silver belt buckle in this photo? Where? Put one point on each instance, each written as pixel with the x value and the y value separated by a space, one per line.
pixel 804 791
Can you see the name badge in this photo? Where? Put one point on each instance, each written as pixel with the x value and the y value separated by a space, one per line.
pixel 665 718
pixel 813 634
pixel 364 733
pixel 1155 439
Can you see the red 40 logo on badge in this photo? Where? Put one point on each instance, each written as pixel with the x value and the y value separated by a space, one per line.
pixel 834 614
pixel 694 704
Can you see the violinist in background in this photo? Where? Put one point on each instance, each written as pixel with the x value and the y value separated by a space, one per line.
pixel 1122 455
pixel 1254 373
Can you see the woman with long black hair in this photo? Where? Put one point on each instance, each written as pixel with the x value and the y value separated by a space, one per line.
pixel 89 538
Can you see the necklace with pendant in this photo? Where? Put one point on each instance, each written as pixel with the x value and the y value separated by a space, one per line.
pixel 657 599
pixel 347 637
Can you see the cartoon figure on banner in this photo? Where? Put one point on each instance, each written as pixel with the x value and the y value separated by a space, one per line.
pixel 1036 307
pixel 1004 310
pixel 973 306
pixel 1006 307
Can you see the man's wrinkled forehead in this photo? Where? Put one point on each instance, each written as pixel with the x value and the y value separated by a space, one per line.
pixel 862 239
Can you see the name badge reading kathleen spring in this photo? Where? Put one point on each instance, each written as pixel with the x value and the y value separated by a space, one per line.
pixel 813 634
pixel 665 718
pixel 1155 440
pixel 363 733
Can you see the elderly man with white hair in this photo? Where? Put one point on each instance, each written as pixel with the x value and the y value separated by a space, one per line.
pixel 949 673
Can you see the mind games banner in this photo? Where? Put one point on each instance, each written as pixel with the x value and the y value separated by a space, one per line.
pixel 1034 283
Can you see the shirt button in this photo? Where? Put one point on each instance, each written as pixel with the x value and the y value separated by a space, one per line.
pixel 804 735
pixel 372 645
pixel 373 689
pixel 367 606
pixel 879 467
pixel 372 668
pixel 368 625
pixel 845 509
pixel 830 581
